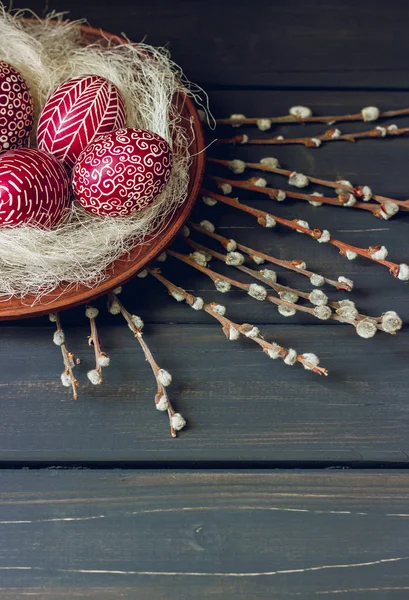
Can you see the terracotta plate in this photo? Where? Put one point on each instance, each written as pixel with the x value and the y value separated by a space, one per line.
pixel 124 269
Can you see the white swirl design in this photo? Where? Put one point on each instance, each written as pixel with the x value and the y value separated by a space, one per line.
pixel 34 188
pixel 16 109
pixel 122 172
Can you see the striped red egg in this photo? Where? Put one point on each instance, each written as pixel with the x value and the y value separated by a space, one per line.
pixel 34 189
pixel 79 110
pixel 16 109
pixel 122 172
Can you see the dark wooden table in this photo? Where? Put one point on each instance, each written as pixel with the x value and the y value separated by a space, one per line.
pixel 285 484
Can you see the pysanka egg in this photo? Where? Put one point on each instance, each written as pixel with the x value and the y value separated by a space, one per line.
pixel 34 188
pixel 122 172
pixel 16 109
pixel 80 109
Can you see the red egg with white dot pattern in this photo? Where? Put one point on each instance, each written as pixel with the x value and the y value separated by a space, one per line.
pixel 16 109
pixel 122 172
pixel 78 111
pixel 34 189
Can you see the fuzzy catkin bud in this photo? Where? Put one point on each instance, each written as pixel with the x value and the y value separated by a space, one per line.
pixel 259 182
pixel 366 328
pixel 52 317
pixel 59 337
pixel 164 377
pixel 370 113
pixel 280 196
pixel 325 237
pixel 310 358
pixel 219 309
pixel 231 246
pixel 322 312
pixel 267 221
pixel 301 112
pixel 222 286
pixel 225 188
pixel 317 280
pixel 207 226
pixel 209 202
pixel 114 307
pixel 199 258
pixel 379 253
pixel 391 321
pixel 198 303
pixel 142 274
pixel 291 357
pixel 177 296
pixel 264 124
pixel 351 255
pixel 91 312
pixel 318 298
pixel 66 379
pixel 270 162
pixel 162 257
pixel 274 352
pixel 233 333
pixel 298 180
pixel 403 273
pixel 103 360
pixel 234 259
pixel 250 331
pixel 237 117
pixel 162 403
pixel 347 312
pixel 95 377
pixel 286 311
pixel 301 223
pixel 315 142
pixel 178 422
pixel 289 297
pixel 256 291
pixel 185 231
pixel 299 264
pixel 258 259
pixel 237 166
pixel 269 274
pixel 137 321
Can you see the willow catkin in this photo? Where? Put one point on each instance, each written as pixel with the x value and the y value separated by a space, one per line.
pixel 36 262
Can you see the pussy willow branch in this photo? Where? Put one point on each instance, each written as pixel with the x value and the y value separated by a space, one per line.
pixel 244 329
pixel 157 371
pixel 290 118
pixel 315 141
pixel 264 218
pixel 285 289
pixel 67 377
pixel 341 200
pixel 101 358
pixel 293 265
pixel 356 191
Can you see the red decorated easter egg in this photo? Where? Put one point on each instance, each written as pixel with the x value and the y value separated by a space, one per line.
pixel 16 109
pixel 34 188
pixel 122 172
pixel 76 112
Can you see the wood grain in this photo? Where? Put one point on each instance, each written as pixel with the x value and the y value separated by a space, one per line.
pixel 189 535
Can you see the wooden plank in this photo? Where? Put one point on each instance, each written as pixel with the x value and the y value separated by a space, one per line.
pixel 240 405
pixel 310 43
pixel 128 534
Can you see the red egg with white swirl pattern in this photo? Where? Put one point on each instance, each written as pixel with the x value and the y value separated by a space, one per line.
pixel 34 189
pixel 16 109
pixel 122 172
pixel 78 111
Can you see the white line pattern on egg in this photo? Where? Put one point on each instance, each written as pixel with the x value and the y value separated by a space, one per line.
pixel 16 109
pixel 76 112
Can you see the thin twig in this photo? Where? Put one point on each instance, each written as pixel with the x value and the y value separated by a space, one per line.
pixel 342 200
pixel 358 191
pixel 250 331
pixel 291 265
pixel 67 377
pixel 400 271
pixel 162 377
pixel 291 118
pixel 315 141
